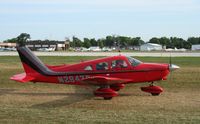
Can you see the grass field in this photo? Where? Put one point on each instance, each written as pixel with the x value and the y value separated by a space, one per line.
pixel 50 103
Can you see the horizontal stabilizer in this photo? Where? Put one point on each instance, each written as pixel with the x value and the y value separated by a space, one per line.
pixel 22 78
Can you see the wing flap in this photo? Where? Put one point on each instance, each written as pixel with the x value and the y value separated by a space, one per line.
pixel 22 78
pixel 101 80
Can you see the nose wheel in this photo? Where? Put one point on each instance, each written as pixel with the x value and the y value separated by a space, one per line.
pixel 153 90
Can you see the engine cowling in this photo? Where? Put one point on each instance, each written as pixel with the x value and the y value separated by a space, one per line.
pixel 106 93
pixel 117 87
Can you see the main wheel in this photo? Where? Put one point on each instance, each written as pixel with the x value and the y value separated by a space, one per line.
pixel 107 98
pixel 155 94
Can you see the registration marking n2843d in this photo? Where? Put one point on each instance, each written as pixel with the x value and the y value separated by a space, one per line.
pixel 71 79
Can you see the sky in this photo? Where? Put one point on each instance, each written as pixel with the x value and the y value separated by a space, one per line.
pixel 58 19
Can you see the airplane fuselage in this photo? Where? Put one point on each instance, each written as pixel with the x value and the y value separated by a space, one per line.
pixel 144 72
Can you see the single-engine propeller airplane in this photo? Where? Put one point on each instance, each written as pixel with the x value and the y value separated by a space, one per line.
pixel 110 74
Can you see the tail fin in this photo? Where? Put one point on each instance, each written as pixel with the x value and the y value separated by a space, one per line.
pixel 32 63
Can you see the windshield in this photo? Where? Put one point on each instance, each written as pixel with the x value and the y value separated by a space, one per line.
pixel 134 62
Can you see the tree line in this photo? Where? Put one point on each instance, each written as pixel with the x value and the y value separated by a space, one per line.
pixel 109 41
pixel 117 41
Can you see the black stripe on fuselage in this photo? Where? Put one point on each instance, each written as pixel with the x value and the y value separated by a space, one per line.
pixel 34 62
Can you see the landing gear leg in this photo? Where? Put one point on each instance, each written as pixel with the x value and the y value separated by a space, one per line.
pixel 154 94
pixel 106 98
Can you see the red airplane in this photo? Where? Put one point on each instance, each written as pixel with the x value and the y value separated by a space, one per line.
pixel 110 74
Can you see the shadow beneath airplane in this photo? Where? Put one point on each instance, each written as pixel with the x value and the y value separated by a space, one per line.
pixel 79 95
pixel 6 91
pixel 130 94
pixel 71 99
pixel 48 94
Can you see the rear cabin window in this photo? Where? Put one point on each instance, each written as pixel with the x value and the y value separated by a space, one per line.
pixel 119 64
pixel 102 66
pixel 88 68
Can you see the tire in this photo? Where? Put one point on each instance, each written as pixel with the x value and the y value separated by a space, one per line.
pixel 155 94
pixel 107 98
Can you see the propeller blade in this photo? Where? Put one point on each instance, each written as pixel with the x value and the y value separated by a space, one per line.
pixel 172 67
pixel 170 60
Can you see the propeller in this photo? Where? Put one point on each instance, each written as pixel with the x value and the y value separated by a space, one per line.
pixel 172 67
pixel 170 60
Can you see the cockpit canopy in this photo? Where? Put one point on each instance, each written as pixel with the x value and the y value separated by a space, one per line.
pixel 114 63
pixel 133 61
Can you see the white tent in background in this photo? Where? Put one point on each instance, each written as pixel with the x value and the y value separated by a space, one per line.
pixel 196 47
pixel 150 47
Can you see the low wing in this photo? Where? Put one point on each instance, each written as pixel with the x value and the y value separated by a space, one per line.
pixel 102 80
pixel 22 78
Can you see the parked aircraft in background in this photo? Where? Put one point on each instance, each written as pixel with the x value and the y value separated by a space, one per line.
pixel 175 50
pixel 46 49
pixel 8 49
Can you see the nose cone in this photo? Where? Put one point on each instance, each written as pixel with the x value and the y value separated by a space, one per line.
pixel 173 67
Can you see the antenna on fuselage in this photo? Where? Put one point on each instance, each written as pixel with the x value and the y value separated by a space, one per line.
pixel 119 52
pixel 82 60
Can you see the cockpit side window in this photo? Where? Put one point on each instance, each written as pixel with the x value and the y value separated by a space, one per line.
pixel 119 64
pixel 88 68
pixel 134 62
pixel 102 66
